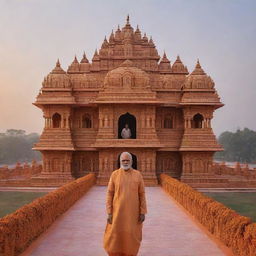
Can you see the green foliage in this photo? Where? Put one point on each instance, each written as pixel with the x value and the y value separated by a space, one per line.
pixel 15 146
pixel 239 146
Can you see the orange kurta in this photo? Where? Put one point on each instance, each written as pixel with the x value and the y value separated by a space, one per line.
pixel 126 201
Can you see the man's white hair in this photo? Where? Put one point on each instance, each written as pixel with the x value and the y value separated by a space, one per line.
pixel 126 153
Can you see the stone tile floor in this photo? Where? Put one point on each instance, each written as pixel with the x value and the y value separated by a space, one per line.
pixel 167 231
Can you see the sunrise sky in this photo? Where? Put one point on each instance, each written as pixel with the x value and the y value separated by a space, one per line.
pixel 34 33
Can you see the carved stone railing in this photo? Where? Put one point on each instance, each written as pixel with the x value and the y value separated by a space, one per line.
pixel 237 170
pixel 20 170
pixel 19 229
pixel 235 231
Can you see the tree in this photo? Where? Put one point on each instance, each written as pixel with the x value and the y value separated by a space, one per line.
pixel 239 146
pixel 15 146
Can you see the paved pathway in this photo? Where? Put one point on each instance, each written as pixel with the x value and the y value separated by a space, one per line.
pixel 168 230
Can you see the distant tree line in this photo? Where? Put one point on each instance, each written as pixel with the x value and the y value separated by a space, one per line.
pixel 16 145
pixel 239 146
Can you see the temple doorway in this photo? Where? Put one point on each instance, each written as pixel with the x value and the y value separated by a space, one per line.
pixel 134 161
pixel 127 122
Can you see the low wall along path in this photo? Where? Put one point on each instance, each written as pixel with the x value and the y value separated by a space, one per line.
pixel 180 222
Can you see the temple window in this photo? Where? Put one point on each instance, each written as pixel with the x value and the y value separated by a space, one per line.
pixel 168 122
pixel 197 121
pixel 56 120
pixel 127 126
pixel 86 121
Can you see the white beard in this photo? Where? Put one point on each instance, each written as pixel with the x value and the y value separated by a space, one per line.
pixel 126 167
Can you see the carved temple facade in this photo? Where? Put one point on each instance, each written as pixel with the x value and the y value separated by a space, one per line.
pixel 167 109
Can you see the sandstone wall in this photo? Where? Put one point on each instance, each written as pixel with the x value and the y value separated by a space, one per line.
pixel 19 229
pixel 237 170
pixel 20 171
pixel 235 231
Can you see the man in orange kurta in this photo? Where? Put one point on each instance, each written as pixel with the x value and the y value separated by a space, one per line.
pixel 126 208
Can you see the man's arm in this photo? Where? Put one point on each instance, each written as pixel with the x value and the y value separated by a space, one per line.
pixel 110 196
pixel 142 197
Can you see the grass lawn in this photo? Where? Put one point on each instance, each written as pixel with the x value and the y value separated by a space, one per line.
pixel 12 200
pixel 242 203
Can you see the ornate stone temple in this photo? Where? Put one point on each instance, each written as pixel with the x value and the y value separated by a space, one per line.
pixel 166 110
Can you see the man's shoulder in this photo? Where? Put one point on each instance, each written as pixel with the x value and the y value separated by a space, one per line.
pixel 138 173
pixel 115 172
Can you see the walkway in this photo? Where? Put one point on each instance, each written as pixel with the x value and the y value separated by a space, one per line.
pixel 168 230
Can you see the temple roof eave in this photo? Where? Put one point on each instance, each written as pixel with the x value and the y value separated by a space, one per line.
pixel 217 104
pixel 52 148
pixel 208 149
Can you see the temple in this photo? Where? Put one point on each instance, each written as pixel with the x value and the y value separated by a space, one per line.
pixel 127 98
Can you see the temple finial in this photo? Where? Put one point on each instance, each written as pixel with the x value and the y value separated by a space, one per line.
pixel 84 59
pixel 128 20
pixel 58 63
pixel 198 69
pixel 75 60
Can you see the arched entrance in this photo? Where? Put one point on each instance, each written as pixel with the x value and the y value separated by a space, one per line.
pixel 127 119
pixel 134 161
pixel 197 121
pixel 56 120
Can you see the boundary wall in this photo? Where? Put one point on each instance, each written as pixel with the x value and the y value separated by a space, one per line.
pixel 20 170
pixel 237 170
pixel 235 231
pixel 19 229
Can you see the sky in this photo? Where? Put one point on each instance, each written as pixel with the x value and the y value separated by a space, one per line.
pixel 35 33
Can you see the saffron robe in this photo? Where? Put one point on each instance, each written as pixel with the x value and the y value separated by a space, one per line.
pixel 125 201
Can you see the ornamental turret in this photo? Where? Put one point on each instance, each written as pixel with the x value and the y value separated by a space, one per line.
pixel 95 61
pixel 84 64
pixel 199 88
pixel 137 34
pixel 57 78
pixel 198 79
pixel 178 67
pixel 164 65
pixel 74 68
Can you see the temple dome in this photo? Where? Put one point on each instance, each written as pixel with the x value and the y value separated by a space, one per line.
pixel 57 78
pixel 198 79
pixel 126 76
pixel 178 67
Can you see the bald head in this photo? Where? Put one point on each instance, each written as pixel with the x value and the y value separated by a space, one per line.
pixel 126 160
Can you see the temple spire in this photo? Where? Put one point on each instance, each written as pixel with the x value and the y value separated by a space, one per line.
pixel 128 20
pixel 111 37
pixel 75 60
pixel 137 29
pixel 198 69
pixel 164 55
pixel 178 67
pixel 58 63
pixel 58 69
pixel 84 59
pixel 96 56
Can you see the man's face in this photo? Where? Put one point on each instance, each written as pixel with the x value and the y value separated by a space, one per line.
pixel 125 162
pixel 126 126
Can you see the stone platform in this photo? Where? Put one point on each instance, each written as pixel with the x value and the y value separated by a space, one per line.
pixel 168 230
